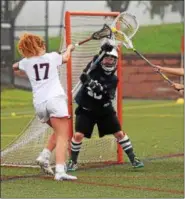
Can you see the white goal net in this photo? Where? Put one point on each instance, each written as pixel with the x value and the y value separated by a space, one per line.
pixel 25 149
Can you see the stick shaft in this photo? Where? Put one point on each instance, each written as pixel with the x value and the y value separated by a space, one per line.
pixel 162 75
pixel 78 44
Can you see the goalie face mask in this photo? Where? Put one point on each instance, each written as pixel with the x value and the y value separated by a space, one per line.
pixel 109 62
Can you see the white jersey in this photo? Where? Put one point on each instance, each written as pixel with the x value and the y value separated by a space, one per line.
pixel 43 75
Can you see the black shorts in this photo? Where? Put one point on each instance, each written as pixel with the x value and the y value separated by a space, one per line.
pixel 107 123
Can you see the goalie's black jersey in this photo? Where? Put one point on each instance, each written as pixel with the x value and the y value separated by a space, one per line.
pixel 98 101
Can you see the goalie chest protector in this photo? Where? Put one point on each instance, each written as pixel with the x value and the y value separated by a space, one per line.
pixel 94 101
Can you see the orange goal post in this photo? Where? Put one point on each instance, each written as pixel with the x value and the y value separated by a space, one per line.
pixel 25 148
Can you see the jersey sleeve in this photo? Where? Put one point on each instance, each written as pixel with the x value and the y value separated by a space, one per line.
pixel 56 58
pixel 22 64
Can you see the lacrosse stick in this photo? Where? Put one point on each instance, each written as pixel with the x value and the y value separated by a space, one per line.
pixel 128 26
pixel 105 32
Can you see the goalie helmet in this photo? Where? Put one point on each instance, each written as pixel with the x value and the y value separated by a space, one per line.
pixel 109 62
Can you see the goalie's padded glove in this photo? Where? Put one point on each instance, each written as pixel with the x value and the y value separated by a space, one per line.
pixel 85 78
pixel 95 86
pixel 107 47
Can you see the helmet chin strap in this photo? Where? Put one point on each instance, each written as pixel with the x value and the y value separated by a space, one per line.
pixel 109 69
pixel 108 73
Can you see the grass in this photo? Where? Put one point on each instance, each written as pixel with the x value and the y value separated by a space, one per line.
pixel 156 130
pixel 164 38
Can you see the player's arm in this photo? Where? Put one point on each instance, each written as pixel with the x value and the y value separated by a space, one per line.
pixel 173 71
pixel 66 55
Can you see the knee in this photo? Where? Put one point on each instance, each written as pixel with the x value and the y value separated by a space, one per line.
pixel 78 137
pixel 119 135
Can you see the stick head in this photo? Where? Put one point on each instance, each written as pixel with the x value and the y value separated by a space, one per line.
pixel 126 23
pixel 122 38
pixel 105 32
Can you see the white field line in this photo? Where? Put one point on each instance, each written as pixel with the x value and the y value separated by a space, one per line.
pixel 8 135
pixel 124 108
pixel 150 106
pixel 125 115
pixel 152 115
pixel 16 117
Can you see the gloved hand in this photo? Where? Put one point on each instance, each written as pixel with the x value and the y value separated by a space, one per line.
pixel 85 78
pixel 107 47
pixel 95 86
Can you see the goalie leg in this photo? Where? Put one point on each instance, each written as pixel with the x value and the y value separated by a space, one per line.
pixel 109 124
pixel 76 143
pixel 126 145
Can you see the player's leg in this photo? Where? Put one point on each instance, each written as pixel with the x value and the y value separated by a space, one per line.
pixel 50 146
pixel 84 125
pixel 44 157
pixel 124 141
pixel 59 119
pixel 109 124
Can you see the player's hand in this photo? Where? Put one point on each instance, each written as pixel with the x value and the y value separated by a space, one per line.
pixel 178 86
pixel 107 47
pixel 157 68
pixel 95 86
pixel 85 78
pixel 71 47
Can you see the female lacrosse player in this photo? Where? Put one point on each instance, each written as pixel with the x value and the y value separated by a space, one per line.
pixel 95 107
pixel 49 98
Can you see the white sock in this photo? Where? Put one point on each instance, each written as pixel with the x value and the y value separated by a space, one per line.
pixel 60 168
pixel 46 153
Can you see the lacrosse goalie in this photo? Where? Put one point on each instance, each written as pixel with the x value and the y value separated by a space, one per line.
pixel 94 101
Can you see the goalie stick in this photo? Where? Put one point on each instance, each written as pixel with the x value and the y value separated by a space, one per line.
pixel 124 39
pixel 128 44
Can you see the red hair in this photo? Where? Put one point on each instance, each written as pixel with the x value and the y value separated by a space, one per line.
pixel 30 45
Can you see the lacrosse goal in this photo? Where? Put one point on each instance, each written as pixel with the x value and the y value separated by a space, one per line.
pixel 24 150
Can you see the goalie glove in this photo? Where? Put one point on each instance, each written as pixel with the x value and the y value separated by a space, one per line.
pixel 95 86
pixel 107 47
pixel 85 78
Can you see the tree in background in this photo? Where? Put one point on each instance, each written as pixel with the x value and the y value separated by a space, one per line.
pixel 159 8
pixel 178 6
pixel 118 6
pixel 11 9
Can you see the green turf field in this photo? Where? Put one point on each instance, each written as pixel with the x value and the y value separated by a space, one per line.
pixel 156 131
pixel 165 38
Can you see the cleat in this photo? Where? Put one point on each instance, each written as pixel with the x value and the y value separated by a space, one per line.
pixel 137 163
pixel 64 176
pixel 44 165
pixel 71 166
